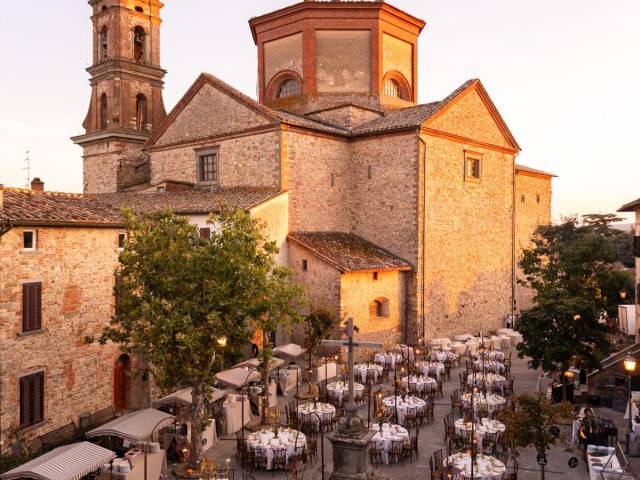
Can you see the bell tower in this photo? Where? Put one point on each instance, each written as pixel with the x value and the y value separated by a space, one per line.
pixel 126 93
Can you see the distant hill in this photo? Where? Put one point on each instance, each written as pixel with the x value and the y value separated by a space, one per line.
pixel 623 226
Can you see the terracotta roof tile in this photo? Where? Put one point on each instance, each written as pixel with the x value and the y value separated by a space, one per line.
pixel 26 207
pixel 190 202
pixel 524 168
pixel 348 252
pixel 631 206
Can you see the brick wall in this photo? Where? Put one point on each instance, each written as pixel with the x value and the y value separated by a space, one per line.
pixel 75 266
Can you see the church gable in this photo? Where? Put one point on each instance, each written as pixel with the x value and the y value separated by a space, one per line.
pixel 473 116
pixel 209 109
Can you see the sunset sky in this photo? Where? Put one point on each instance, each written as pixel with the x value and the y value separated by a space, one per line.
pixel 562 73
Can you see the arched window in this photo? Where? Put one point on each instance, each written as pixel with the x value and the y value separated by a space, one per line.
pixel 289 88
pixel 396 86
pixel 104 112
pixel 379 308
pixel 139 9
pixel 392 88
pixel 104 43
pixel 141 112
pixel 139 38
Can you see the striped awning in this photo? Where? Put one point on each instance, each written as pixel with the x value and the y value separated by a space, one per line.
pixel 70 462
pixel 134 426
pixel 255 363
pixel 183 397
pixel 237 377
pixel 289 350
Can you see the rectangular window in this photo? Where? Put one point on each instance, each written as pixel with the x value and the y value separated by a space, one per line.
pixel 472 167
pixel 305 266
pixel 205 233
pixel 122 240
pixel 31 307
pixel 208 167
pixel 29 240
pixel 31 399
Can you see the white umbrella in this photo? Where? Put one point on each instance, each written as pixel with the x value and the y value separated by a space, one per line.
pixel 255 363
pixel 183 397
pixel 289 350
pixel 237 377
pixel 134 426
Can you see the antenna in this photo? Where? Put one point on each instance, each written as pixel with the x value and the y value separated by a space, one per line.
pixel 28 169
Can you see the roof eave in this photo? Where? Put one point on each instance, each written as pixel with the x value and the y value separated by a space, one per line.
pixel 630 207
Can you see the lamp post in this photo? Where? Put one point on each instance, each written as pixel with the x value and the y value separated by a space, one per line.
pixel 630 367
pixel 568 375
pixel 222 342
pixel 623 293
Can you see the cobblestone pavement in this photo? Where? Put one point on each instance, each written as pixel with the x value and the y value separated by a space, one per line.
pixel 432 438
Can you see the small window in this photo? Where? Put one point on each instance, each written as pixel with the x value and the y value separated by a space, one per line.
pixel 139 9
pixel 305 266
pixel 161 189
pixel 31 399
pixel 375 276
pixel 104 112
pixel 31 307
pixel 208 167
pixel 333 179
pixel 122 240
pixel 472 168
pixel 289 88
pixel 139 39
pixel 104 43
pixel 379 308
pixel 141 112
pixel 29 241
pixel 537 198
pixel 205 233
pixel 522 199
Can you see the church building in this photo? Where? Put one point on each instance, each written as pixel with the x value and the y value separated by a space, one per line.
pixel 408 216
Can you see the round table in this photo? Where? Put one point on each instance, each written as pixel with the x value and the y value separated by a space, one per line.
pixel 389 433
pixel 495 355
pixel 341 389
pixel 406 351
pixel 490 379
pixel 423 383
pixel 411 402
pixel 310 410
pixel 266 442
pixel 492 401
pixel 492 366
pixel 430 368
pixel 362 369
pixel 486 467
pixel 388 359
pixel 443 355
pixel 486 425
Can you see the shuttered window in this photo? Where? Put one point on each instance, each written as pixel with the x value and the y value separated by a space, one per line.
pixel 205 233
pixel 31 306
pixel 31 399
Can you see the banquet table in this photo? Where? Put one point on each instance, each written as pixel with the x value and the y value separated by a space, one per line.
pixel 321 409
pixel 486 425
pixel 490 379
pixel 266 442
pixel 232 408
pixel 341 389
pixel 433 368
pixel 388 359
pixel 287 379
pixel 384 438
pixel 494 355
pixel 485 468
pixel 406 351
pixel 423 383
pixel 492 366
pixel 491 400
pixel 443 355
pixel 415 402
pixel 361 370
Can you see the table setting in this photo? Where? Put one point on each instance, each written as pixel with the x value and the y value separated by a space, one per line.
pixel 403 405
pixel 268 440
pixel 492 401
pixel 443 355
pixel 406 351
pixel 341 389
pixel 492 366
pixel 422 382
pixel 485 466
pixel 385 435
pixel 362 370
pixel 486 425
pixel 321 409
pixel 490 379
pixel 430 368
pixel 388 359
pixel 494 355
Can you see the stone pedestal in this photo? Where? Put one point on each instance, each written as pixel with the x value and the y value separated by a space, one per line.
pixel 351 456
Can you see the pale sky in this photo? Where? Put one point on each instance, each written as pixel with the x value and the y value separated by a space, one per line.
pixel 563 74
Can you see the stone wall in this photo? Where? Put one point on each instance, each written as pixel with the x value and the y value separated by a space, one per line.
pixel 347 116
pixel 76 268
pixel 102 164
pixel 533 208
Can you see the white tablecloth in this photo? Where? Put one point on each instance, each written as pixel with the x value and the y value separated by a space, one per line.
pixel 492 401
pixel 361 370
pixel 486 425
pixel 388 358
pixel 265 442
pixel 331 369
pixel 406 351
pixel 389 433
pixel 414 402
pixel 433 368
pixel 491 366
pixel 463 338
pixel 439 342
pixel 443 355
pixel 422 383
pixel 287 379
pixel 486 467
pixel 341 389
pixel 491 379
pixel 320 408
pixel 232 407
pixel 491 355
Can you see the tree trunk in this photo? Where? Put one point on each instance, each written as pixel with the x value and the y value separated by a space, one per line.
pixel 197 412
pixel 541 472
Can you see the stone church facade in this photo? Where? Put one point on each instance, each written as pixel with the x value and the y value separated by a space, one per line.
pixel 338 128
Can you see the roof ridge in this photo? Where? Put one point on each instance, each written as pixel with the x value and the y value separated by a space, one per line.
pixel 48 193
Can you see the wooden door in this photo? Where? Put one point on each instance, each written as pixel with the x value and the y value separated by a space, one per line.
pixel 121 383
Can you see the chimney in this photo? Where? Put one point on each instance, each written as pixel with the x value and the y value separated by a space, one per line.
pixel 37 185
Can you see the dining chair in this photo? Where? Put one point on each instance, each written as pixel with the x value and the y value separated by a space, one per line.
pixel 375 453
pixel 395 453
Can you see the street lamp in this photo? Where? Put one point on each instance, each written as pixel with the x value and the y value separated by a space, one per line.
pixel 222 341
pixel 623 293
pixel 630 367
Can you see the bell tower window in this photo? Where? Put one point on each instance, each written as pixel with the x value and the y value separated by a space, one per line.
pixel 139 38
pixel 392 88
pixel 141 112
pixel 104 112
pixel 289 88
pixel 396 86
pixel 104 43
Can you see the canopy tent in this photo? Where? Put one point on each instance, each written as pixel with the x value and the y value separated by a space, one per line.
pixel 183 397
pixel 134 426
pixel 289 350
pixel 70 462
pixel 238 377
pixel 255 363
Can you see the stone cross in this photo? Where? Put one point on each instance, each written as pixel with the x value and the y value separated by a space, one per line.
pixel 350 408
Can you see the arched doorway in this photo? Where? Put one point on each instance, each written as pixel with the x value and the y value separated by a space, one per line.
pixel 121 382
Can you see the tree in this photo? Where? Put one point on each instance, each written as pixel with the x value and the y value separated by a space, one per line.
pixel 179 293
pixel 320 323
pixel 569 266
pixel 530 424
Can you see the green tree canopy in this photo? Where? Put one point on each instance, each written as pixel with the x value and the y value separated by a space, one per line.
pixel 179 293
